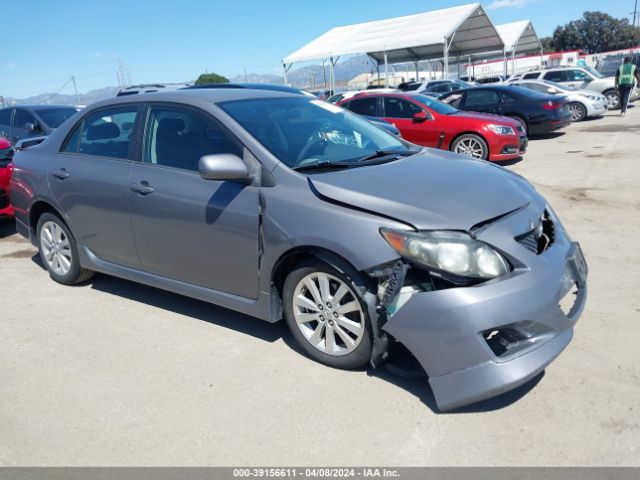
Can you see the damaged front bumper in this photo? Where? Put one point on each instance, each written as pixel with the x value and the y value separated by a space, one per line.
pixel 479 341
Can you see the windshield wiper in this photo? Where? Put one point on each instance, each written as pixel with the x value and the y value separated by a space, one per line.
pixel 323 165
pixel 387 153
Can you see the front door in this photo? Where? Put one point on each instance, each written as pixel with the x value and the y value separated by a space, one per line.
pixel 89 180
pixel 186 228
pixel 400 112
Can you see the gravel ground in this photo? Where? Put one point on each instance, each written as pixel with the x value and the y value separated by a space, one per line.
pixel 115 373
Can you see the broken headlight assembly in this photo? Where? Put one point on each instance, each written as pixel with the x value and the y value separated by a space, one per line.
pixel 454 253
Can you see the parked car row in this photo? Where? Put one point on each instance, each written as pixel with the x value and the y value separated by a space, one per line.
pixel 282 206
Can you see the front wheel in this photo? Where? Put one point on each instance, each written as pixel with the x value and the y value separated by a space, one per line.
pixel 327 316
pixel 613 99
pixel 59 252
pixel 471 146
pixel 578 111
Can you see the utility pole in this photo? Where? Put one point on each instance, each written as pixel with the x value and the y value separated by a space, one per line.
pixel 75 87
pixel 635 13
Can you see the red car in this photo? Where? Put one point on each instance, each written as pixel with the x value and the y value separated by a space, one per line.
pixel 428 122
pixel 6 167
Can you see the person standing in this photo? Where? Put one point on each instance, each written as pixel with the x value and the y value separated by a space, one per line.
pixel 626 76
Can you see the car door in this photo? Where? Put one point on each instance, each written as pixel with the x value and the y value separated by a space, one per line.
pixel 5 122
pixel 199 231
pixel 24 123
pixel 400 112
pixel 577 79
pixel 89 181
pixel 482 100
pixel 558 76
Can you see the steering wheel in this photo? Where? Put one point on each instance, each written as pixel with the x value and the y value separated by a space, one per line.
pixel 316 138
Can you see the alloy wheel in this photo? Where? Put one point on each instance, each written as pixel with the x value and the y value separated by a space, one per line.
pixel 577 112
pixel 613 100
pixel 469 146
pixel 328 314
pixel 56 249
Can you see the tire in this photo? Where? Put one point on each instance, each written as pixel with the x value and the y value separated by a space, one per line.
pixel 321 332
pixel 471 145
pixel 578 111
pixel 59 252
pixel 522 122
pixel 613 99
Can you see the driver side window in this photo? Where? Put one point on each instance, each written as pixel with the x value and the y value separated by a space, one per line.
pixel 399 108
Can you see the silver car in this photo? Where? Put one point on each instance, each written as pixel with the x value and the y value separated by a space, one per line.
pixel 279 205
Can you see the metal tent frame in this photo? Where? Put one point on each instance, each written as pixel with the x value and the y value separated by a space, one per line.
pixel 439 34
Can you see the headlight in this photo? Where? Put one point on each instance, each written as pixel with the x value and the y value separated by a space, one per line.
pixel 452 252
pixel 590 97
pixel 501 129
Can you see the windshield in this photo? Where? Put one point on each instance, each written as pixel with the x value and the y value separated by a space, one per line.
pixel 436 105
pixel 54 117
pixel 594 72
pixel 303 131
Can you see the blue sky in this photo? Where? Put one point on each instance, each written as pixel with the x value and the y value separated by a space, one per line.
pixel 161 41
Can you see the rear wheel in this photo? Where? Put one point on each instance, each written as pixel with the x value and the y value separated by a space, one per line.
pixel 327 316
pixel 471 146
pixel 578 111
pixel 59 252
pixel 613 99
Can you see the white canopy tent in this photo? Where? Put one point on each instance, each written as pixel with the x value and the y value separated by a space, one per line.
pixel 518 38
pixel 458 31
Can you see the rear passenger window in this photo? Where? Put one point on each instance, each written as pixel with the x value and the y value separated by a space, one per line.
pixel 107 133
pixel 481 97
pixel 557 76
pixel 364 106
pixel 178 138
pixel 73 141
pixel 5 116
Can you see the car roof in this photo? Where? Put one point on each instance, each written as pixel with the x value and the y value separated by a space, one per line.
pixel 189 95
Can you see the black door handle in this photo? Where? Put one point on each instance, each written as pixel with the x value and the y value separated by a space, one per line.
pixel 61 174
pixel 142 188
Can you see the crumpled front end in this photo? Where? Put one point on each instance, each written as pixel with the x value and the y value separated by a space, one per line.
pixel 478 341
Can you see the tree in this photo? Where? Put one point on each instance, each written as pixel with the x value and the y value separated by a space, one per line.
pixel 211 78
pixel 596 32
pixel 547 44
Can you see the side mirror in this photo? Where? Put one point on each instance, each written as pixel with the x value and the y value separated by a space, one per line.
pixel 224 166
pixel 420 117
pixel 30 127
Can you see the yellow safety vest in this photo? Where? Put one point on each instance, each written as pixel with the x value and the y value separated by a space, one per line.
pixel 627 74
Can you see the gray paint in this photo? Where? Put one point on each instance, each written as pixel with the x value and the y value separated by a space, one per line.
pixel 201 238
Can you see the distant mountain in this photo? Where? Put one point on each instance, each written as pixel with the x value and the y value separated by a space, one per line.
pixel 61 99
pixel 299 77
pixel 315 74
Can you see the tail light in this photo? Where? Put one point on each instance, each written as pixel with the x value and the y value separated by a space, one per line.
pixel 551 105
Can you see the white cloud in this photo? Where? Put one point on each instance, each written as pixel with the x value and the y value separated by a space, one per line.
pixel 496 4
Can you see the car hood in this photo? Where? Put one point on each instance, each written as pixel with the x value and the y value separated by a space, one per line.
pixel 434 189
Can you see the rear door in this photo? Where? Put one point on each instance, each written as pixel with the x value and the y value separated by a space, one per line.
pixel 400 112
pixel 89 180
pixel 482 100
pixel 203 232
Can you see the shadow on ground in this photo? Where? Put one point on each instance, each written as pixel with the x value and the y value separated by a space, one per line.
pixel 546 136
pixel 7 229
pixel 508 163
pixel 415 382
